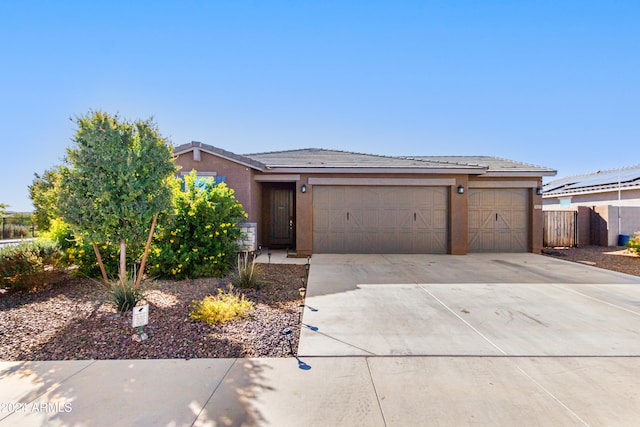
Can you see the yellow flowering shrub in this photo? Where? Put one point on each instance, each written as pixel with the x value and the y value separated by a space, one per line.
pixel 200 238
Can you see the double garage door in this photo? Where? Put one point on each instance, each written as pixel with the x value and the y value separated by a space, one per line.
pixel 380 219
pixel 391 219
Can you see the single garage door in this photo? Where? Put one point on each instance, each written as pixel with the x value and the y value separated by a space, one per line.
pixel 498 220
pixel 380 219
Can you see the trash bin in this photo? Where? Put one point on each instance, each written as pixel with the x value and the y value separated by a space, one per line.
pixel 623 239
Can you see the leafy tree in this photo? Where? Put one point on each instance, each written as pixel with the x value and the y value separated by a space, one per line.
pixel 44 195
pixel 201 238
pixel 3 209
pixel 117 181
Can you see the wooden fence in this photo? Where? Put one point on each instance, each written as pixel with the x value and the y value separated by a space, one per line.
pixel 560 228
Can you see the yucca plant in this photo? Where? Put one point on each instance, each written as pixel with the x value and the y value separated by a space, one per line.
pixel 247 273
pixel 124 295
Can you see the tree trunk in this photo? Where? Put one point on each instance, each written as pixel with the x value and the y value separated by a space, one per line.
pixel 123 260
pixel 146 251
pixel 101 264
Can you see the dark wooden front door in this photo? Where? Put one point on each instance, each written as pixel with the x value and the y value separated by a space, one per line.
pixel 282 214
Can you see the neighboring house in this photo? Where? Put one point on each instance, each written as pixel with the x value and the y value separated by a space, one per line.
pixel 608 203
pixel 327 201
pixel 613 187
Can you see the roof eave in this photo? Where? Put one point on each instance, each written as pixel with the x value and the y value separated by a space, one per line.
pixel 519 173
pixel 218 152
pixel 379 170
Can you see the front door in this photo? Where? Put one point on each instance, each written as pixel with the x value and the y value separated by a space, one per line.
pixel 282 213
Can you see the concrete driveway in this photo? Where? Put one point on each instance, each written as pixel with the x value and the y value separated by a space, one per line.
pixel 464 318
pixel 473 305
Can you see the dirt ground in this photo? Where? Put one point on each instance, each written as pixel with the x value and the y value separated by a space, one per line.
pixel 616 258
pixel 72 320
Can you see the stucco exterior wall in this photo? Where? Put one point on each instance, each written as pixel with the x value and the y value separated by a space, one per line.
pixel 622 220
pixel 238 177
pixel 304 216
pixel 459 217
pixel 627 198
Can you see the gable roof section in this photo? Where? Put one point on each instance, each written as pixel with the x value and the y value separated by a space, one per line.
pixel 595 182
pixel 219 152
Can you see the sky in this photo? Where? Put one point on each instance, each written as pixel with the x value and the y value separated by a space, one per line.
pixel 553 83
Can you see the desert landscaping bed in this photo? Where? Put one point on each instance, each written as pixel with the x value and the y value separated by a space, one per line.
pixel 617 258
pixel 72 319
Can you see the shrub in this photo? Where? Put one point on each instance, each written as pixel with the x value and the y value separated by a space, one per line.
pixel 634 243
pixel 200 239
pixel 23 266
pixel 123 294
pixel 247 273
pixel 77 252
pixel 220 308
pixel 16 231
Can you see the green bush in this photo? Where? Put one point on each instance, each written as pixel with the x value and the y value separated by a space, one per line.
pixel 23 266
pixel 123 294
pixel 247 273
pixel 634 243
pixel 79 253
pixel 200 239
pixel 220 308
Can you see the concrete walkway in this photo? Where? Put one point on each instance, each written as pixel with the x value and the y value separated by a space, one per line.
pixel 325 391
pixel 278 256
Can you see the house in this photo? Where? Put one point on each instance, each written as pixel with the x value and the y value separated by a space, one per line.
pixel 329 201
pixel 620 187
pixel 607 202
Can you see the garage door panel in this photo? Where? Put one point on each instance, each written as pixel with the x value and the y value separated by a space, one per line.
pixel 333 242
pixel 380 219
pixel 430 243
pixel 498 220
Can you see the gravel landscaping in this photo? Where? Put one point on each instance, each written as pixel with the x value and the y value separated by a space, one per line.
pixel 72 320
pixel 610 258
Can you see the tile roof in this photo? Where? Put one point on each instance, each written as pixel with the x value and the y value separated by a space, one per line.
pixel 323 158
pixel 493 164
pixel 319 158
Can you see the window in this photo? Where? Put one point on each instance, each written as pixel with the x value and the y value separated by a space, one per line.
pixel 201 178
pixel 565 203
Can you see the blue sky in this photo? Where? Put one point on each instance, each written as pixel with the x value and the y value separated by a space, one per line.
pixel 554 83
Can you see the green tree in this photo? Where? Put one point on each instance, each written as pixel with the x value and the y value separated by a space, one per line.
pixel 117 181
pixel 44 195
pixel 3 209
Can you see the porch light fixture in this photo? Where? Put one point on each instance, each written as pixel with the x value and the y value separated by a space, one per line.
pixel 460 189
pixel 303 188
pixel 539 191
